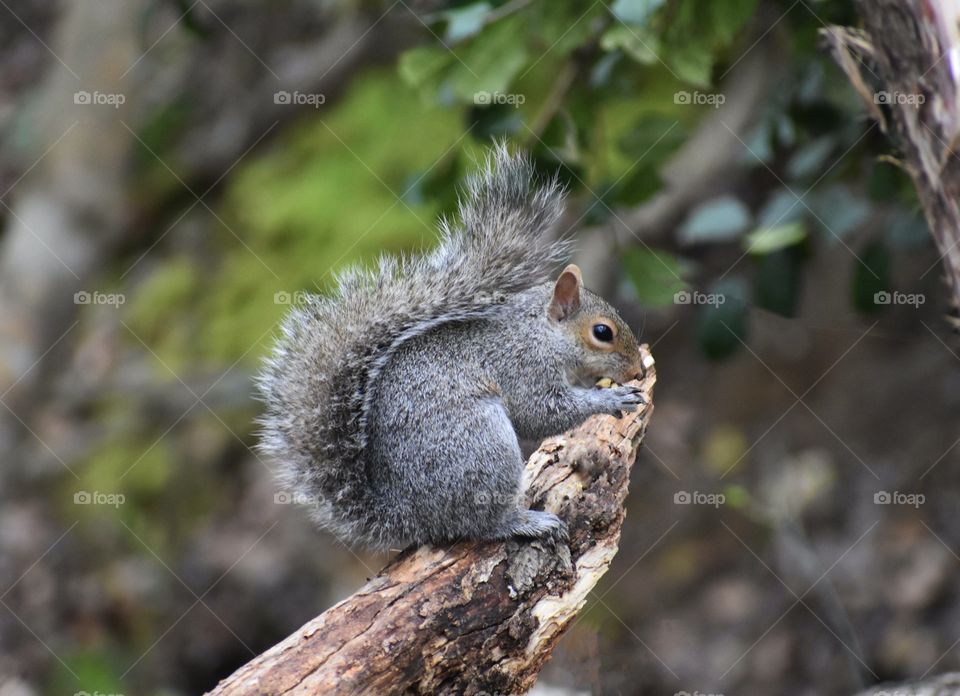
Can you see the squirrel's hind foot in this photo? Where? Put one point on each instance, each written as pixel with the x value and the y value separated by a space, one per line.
pixel 534 524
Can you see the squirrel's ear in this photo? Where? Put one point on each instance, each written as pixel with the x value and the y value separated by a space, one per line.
pixel 566 294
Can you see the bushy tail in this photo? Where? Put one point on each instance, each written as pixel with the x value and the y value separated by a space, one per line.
pixel 317 382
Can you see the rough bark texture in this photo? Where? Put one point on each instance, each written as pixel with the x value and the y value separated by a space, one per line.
pixel 905 63
pixel 472 617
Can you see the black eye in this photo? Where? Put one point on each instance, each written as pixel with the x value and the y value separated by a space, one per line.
pixel 602 332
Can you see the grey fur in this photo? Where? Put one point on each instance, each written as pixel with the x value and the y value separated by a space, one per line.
pixel 394 404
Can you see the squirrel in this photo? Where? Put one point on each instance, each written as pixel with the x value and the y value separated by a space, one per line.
pixel 394 405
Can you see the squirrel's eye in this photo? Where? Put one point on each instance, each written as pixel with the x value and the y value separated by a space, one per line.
pixel 602 332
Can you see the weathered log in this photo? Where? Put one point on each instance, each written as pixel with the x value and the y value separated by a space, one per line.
pixel 472 617
pixel 905 64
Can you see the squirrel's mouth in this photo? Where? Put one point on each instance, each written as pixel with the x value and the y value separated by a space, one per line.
pixel 607 382
pixel 625 376
pixel 603 381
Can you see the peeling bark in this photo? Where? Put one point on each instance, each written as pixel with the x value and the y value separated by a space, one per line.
pixel 472 617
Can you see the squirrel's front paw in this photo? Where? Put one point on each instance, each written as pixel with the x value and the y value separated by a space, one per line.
pixel 620 399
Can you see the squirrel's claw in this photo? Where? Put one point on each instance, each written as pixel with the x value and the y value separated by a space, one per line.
pixel 624 399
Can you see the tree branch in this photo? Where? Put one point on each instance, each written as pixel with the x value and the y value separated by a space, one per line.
pixel 473 616
pixel 905 59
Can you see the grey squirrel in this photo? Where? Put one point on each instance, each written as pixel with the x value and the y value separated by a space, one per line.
pixel 394 405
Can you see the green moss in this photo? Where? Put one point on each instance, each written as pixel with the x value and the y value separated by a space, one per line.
pixel 97 671
pixel 324 196
pixel 158 313
pixel 161 482
pixel 131 464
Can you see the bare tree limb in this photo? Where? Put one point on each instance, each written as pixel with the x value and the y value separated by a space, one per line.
pixel 472 617
pixel 908 51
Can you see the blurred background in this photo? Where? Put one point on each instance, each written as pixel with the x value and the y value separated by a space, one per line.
pixel 174 172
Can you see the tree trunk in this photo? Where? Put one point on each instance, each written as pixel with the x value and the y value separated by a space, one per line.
pixel 472 617
pixel 905 64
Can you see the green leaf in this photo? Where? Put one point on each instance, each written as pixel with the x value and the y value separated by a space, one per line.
pixel 717 220
pixel 653 138
pixel 491 60
pixel 464 22
pixel 562 26
pixel 494 121
pixel 639 185
pixel 727 17
pixel 722 326
pixel 640 45
pixel 769 239
pixel 698 31
pixel 692 63
pixel 648 144
pixel 656 275
pixel 635 11
pixel 422 65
